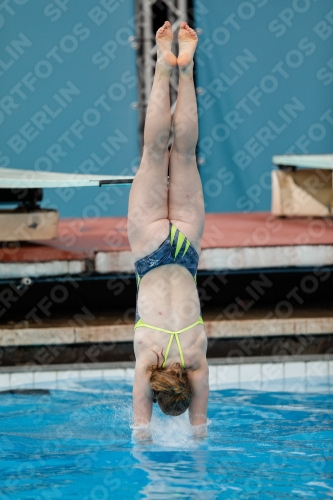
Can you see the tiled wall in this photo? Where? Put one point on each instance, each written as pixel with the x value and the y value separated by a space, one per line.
pixel 298 376
pixel 59 379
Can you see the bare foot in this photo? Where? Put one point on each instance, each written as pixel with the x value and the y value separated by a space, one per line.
pixel 164 38
pixel 187 39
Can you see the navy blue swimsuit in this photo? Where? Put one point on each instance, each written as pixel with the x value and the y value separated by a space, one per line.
pixel 176 249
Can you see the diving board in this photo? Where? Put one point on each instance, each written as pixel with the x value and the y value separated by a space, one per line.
pixel 12 178
pixel 302 185
pixel 305 161
pixel 25 188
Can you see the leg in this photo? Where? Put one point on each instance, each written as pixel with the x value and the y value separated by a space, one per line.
pixel 186 205
pixel 148 223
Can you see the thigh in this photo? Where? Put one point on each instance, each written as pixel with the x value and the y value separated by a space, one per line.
pixel 186 204
pixel 148 223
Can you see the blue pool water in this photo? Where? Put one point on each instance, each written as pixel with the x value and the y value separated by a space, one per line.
pixel 78 445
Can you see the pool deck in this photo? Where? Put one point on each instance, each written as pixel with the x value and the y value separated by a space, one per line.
pixel 297 374
pixel 109 328
pixel 231 242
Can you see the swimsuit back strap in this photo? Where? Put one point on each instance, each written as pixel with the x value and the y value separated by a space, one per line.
pixel 140 322
pixel 179 349
pixel 168 348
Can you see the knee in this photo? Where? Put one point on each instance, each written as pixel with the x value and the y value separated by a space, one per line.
pixel 159 141
pixel 183 154
pixel 155 153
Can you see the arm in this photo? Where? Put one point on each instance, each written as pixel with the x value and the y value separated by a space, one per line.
pixel 142 403
pixel 199 380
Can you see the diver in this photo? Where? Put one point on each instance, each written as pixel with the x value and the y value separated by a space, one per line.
pixel 165 226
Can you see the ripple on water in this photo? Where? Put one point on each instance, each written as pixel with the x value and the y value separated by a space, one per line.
pixel 79 444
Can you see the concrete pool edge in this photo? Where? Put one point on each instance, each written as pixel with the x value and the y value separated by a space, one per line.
pixel 217 329
pixel 288 374
pixel 131 364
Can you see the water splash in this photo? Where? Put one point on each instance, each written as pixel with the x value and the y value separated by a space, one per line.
pixel 82 440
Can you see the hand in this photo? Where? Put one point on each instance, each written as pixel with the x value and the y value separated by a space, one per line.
pixel 142 432
pixel 199 431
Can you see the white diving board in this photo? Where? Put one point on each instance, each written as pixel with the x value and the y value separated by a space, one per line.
pixel 12 178
pixel 308 161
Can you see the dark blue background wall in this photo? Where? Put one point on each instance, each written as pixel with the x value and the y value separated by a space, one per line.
pixel 68 91
pixel 265 73
pixel 68 84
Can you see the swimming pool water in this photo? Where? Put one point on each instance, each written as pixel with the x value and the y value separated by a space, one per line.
pixel 78 444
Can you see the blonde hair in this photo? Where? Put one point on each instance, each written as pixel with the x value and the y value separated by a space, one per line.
pixel 171 387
